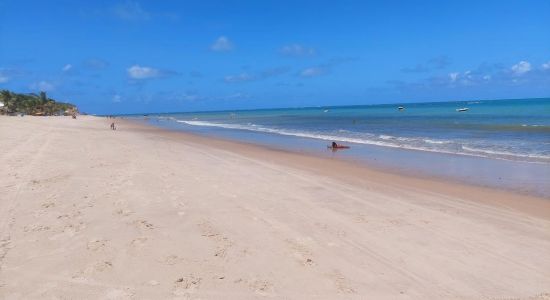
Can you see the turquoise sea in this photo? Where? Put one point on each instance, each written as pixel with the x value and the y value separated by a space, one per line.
pixel 505 129
pixel 510 136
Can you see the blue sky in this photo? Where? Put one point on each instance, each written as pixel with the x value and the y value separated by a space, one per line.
pixel 166 56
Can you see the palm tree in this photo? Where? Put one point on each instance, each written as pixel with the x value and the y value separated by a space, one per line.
pixel 43 97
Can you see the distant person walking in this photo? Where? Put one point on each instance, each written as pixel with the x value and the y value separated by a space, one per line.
pixel 113 127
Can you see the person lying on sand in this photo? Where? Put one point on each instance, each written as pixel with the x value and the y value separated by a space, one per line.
pixel 334 146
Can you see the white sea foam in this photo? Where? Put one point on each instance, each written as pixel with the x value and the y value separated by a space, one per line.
pixel 439 142
pixel 421 144
pixel 532 125
pixel 492 153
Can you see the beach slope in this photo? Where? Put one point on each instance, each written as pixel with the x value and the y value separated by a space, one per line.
pixel 88 212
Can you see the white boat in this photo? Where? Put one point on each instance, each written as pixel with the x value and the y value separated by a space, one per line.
pixel 462 109
pixel 401 108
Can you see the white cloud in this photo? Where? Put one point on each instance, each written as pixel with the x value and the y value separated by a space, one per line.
pixel 138 72
pixel 131 11
pixel 235 96
pixel 96 64
pixel 312 72
pixel 487 77
pixel 261 75
pixel 3 76
pixel 42 86
pixel 239 78
pixel 297 50
pixel 117 98
pixel 521 68
pixel 67 67
pixel 9 74
pixel 453 76
pixel 187 97
pixel 222 44
pixel 546 66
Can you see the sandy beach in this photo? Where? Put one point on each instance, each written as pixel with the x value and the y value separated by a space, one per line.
pixel 143 213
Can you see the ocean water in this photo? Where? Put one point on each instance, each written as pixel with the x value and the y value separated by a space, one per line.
pixel 502 143
pixel 505 129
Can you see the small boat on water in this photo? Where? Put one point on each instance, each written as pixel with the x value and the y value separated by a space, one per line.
pixel 462 109
pixel 400 108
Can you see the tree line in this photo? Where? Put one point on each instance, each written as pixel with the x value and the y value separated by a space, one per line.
pixel 33 104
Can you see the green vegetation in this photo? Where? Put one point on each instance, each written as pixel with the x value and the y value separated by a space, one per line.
pixel 33 104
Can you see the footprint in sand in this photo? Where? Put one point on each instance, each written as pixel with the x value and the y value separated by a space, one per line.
pixel 301 251
pixel 396 222
pixel 262 287
pixel 308 262
pixel 360 218
pixel 74 228
pixel 35 228
pixel 179 205
pixel 4 247
pixel 123 212
pixel 138 242
pixel 120 294
pixel 68 230
pixel 97 245
pixel 153 282
pixel 97 267
pixel 171 260
pixel 48 204
pixel 64 217
pixel 143 224
pixel 51 180
pixel 186 284
pixel 335 231
pixel 342 284
pixel 73 215
pixel 222 243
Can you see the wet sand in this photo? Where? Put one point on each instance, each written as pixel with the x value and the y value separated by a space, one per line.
pixel 523 177
pixel 140 212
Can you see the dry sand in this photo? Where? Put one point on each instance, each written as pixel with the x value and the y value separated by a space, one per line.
pixel 86 213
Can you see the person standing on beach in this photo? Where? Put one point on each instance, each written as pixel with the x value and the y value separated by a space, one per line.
pixel 113 127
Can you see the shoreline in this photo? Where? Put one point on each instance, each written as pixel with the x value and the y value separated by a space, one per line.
pixel 352 171
pixel 201 218
pixel 528 178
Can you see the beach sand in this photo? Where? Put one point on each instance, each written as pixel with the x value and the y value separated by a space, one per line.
pixel 87 213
